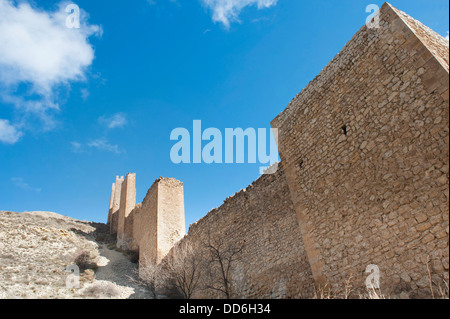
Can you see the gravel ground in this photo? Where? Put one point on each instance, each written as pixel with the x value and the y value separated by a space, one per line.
pixel 36 248
pixel 121 271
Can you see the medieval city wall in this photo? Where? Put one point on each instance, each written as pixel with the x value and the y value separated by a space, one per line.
pixel 127 204
pixel 154 226
pixel 111 203
pixel 171 225
pixel 363 181
pixel 114 220
pixel 261 219
pixel 144 224
pixel 365 148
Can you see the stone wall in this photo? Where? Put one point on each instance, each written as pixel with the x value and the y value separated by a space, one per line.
pixel 433 42
pixel 365 148
pixel 152 227
pixel 364 180
pixel 144 225
pixel 158 223
pixel 131 238
pixel 127 204
pixel 111 203
pixel 171 226
pixel 261 218
pixel 116 205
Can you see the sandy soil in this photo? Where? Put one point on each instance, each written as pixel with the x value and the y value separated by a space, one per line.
pixel 36 248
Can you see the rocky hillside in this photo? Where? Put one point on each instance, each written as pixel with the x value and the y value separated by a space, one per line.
pixel 37 247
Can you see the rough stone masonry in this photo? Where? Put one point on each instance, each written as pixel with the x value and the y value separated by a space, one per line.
pixel 365 147
pixel 152 227
pixel 363 180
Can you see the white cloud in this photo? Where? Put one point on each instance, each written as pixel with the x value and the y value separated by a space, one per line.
pixel 38 50
pixel 19 182
pixel 446 37
pixel 104 145
pixel 153 2
pixel 8 133
pixel 117 120
pixel 76 147
pixel 100 144
pixel 84 94
pixel 227 11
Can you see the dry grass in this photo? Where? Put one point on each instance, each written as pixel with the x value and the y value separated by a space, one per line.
pixel 438 291
pixel 373 293
pixel 100 290
pixel 443 290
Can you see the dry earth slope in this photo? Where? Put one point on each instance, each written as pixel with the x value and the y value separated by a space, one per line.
pixel 37 247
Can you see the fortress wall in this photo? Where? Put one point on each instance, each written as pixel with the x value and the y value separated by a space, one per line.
pixel 136 226
pixel 127 204
pixel 144 226
pixel 159 223
pixel 116 205
pixel 433 42
pixel 170 220
pixel 274 263
pixel 129 239
pixel 365 148
pixel 364 180
pixel 111 203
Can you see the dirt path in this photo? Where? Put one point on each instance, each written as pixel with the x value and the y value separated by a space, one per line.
pixel 115 267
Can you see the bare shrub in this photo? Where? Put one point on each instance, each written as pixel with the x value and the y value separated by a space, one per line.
pixel 223 257
pixel 179 275
pixel 184 268
pixel 151 276
pixel 84 261
pixel 100 290
pixel 133 256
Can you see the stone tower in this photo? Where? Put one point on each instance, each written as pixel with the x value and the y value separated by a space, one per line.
pixel 111 203
pixel 116 205
pixel 160 223
pixel 127 204
pixel 153 227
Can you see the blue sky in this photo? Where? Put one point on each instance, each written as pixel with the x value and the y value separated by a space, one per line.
pixel 77 109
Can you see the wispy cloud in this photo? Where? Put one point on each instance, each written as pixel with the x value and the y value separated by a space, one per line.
pixel 39 52
pixel 19 182
pixel 227 11
pixel 153 2
pixel 98 144
pixel 117 120
pixel 84 94
pixel 446 37
pixel 76 147
pixel 8 133
pixel 104 145
pixel 256 20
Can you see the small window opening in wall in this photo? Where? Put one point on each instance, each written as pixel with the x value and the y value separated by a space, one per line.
pixel 300 164
pixel 345 130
